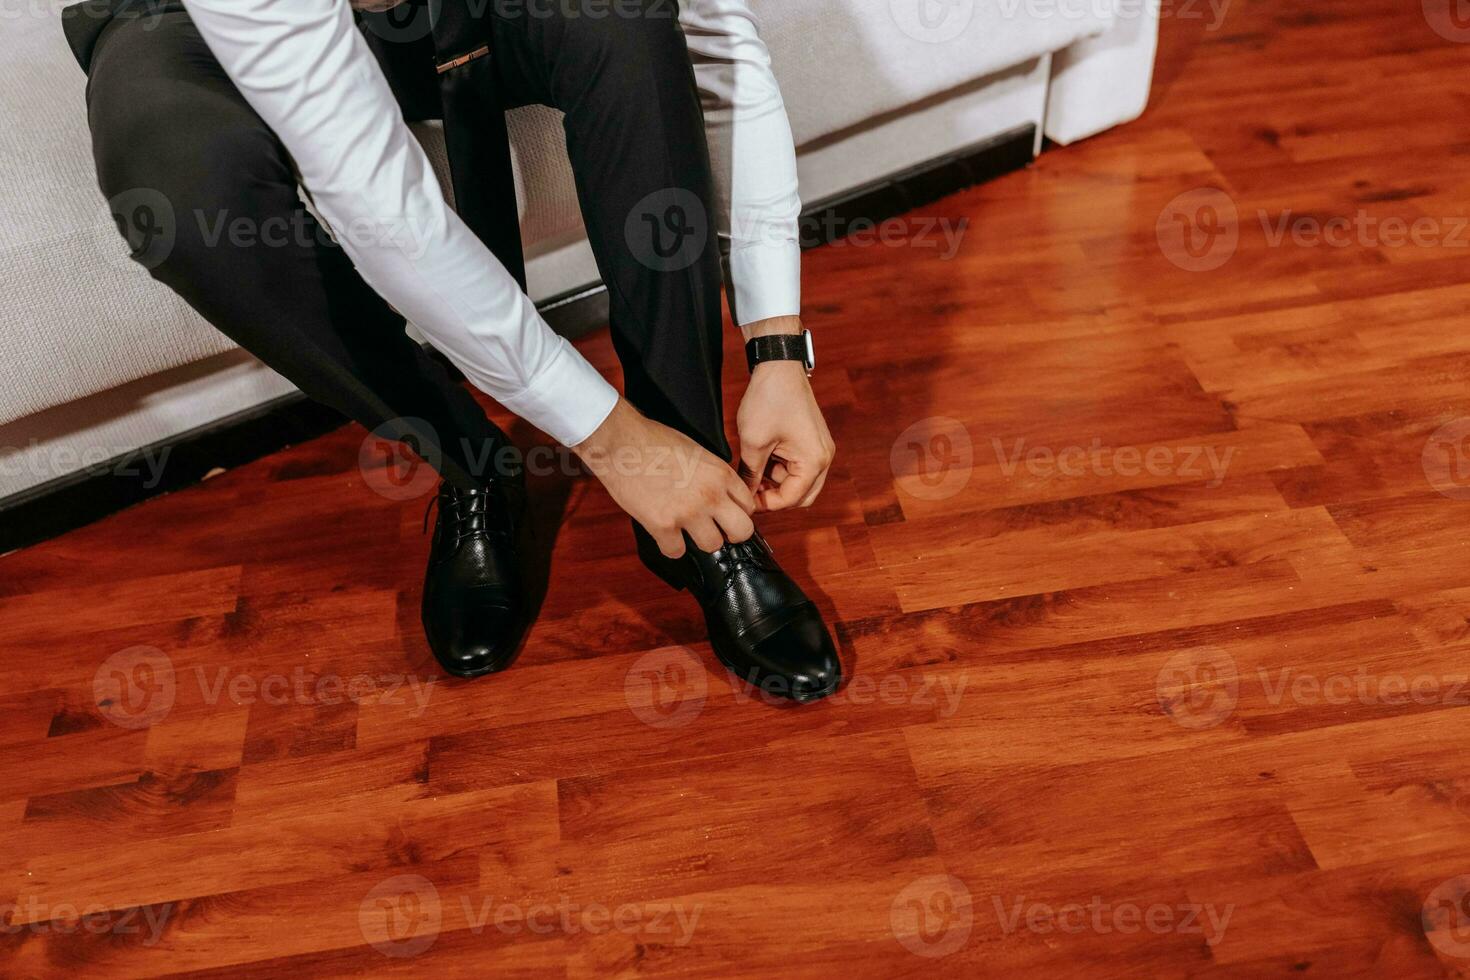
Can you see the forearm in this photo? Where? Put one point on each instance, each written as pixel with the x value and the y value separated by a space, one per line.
pixel 305 68
pixel 754 159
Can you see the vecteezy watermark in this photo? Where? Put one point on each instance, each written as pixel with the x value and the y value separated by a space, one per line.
pixel 152 227
pixel 668 230
pixel 932 916
pixel 302 688
pixel 401 460
pixel 1199 687
pixel 145 218
pixel 666 688
pixel 137 687
pixel 1103 11
pixel 1304 688
pixel 1186 462
pixel 30 914
pixel 403 916
pixel 45 462
pixel 1199 230
pixel 1446 459
pixel 1103 917
pixel 932 459
pixel 1445 917
pixel 941 692
pixel 1361 229
pixel 932 21
pixel 1450 19
pixel 828 227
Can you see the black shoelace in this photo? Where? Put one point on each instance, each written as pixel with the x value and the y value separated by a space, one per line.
pixel 481 511
pixel 753 553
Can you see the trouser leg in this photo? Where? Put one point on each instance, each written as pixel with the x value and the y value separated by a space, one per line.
pixel 234 240
pixel 636 141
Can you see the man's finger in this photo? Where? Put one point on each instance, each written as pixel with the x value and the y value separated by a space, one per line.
pixel 736 524
pixel 743 495
pixel 671 544
pixel 792 491
pixel 815 491
pixel 706 535
pixel 753 461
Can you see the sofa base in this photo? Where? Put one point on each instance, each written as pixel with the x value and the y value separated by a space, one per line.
pixel 67 502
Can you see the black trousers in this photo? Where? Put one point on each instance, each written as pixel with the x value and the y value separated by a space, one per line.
pixel 166 120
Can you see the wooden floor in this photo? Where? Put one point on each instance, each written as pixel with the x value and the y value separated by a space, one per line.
pixel 1149 557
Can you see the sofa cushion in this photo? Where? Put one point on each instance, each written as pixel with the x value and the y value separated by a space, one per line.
pixel 77 318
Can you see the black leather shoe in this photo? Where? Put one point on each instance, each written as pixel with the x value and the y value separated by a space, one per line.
pixel 761 625
pixel 477 600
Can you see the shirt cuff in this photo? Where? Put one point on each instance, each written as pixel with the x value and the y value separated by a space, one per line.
pixel 568 399
pixel 766 281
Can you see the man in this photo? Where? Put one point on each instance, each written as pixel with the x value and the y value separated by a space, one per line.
pixel 224 107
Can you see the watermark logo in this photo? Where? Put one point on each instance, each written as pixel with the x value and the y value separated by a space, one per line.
pixel 668 923
pixel 932 21
pixel 1446 917
pixel 135 688
pixel 1446 459
pixel 401 917
pixel 1450 19
pixel 145 218
pixel 932 916
pixel 941 692
pixel 1199 230
pixel 399 22
pixel 1104 917
pixel 44 462
pixel 400 459
pixel 933 458
pixel 666 688
pixel 38 917
pixel 942 235
pixel 1203 463
pixel 1116 10
pixel 668 230
pixel 1363 230
pixel 1199 688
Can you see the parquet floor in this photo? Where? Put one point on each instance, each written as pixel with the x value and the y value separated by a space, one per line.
pixel 1148 549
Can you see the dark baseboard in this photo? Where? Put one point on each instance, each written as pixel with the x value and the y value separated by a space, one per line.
pixel 71 501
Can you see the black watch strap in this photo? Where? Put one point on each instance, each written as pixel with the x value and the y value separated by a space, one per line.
pixel 781 347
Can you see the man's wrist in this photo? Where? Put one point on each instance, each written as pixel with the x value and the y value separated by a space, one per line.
pixel 774 326
pixel 610 434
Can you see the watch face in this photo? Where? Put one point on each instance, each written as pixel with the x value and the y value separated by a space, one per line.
pixel 811 351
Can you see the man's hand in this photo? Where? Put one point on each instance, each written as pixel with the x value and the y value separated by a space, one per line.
pixel 785 448
pixel 668 483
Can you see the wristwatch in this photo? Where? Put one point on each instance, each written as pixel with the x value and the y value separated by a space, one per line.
pixel 782 347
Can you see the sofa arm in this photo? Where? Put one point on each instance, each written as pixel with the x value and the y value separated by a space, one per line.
pixel 1103 81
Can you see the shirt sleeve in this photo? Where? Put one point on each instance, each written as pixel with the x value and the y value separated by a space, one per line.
pixel 305 68
pixel 754 158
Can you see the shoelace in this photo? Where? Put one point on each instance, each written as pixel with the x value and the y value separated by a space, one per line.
pixel 464 507
pixel 754 553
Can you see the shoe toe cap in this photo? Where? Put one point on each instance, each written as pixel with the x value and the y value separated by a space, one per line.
pixel 802 655
pixel 482 639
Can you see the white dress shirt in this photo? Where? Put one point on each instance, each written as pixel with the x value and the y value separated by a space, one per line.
pixel 305 68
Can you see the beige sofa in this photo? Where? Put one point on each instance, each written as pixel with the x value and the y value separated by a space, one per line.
pixel 101 360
